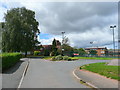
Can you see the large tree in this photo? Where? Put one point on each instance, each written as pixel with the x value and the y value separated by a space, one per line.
pixel 21 29
pixel 81 51
pixel 1 28
pixel 54 48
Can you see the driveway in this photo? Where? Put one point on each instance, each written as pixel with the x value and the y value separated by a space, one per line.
pixel 57 74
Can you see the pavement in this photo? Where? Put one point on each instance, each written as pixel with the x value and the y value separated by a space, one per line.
pixel 12 77
pixel 96 80
pixel 114 62
pixel 53 74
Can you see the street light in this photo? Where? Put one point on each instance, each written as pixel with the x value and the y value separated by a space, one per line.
pixel 62 40
pixel 112 27
pixel 62 37
pixel 91 43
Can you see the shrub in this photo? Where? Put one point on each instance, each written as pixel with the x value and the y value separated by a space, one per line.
pixel 65 58
pixel 9 59
pixel 52 53
pixel 53 58
pixel 59 57
pixel 36 52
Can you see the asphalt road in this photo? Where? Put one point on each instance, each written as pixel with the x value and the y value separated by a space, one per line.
pixel 49 74
pixel 12 77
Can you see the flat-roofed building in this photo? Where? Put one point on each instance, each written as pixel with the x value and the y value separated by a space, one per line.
pixel 101 51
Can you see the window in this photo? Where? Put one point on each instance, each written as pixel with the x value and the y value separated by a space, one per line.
pixel 102 51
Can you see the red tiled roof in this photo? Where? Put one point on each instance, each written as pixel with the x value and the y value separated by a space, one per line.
pixel 45 46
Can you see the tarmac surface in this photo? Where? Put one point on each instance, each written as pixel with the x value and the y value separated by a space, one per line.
pixel 12 77
pixel 54 74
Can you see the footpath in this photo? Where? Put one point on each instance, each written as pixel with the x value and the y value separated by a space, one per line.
pixel 12 77
pixel 95 80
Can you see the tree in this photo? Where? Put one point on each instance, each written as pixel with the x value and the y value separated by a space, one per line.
pixel 93 52
pixel 66 41
pixel 54 48
pixel 81 52
pixel 21 29
pixel 68 50
pixel 1 28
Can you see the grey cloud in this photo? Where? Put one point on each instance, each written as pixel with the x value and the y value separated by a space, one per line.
pixel 76 17
pixel 82 22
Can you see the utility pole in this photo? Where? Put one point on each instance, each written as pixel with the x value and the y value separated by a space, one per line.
pixel 112 27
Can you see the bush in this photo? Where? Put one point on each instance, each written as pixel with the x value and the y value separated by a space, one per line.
pixel 65 58
pixel 36 53
pixel 52 53
pixel 9 59
pixel 59 57
pixel 53 58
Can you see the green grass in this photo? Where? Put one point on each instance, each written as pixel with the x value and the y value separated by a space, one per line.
pixel 47 57
pixel 103 69
pixel 96 58
pixel 74 58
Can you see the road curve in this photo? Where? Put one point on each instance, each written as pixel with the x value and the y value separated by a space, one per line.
pixel 53 74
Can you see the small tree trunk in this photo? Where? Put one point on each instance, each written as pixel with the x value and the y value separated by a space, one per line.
pixel 25 53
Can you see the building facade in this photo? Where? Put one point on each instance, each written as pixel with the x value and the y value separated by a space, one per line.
pixel 112 53
pixel 101 51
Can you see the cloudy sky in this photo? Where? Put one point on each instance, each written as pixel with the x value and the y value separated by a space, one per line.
pixel 83 22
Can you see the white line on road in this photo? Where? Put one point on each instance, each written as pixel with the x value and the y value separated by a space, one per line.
pixel 23 75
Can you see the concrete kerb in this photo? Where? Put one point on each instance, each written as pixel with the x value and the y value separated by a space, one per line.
pixel 87 83
pixel 23 75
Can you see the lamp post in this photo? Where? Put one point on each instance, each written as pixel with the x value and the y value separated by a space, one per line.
pixel 91 43
pixel 112 27
pixel 62 41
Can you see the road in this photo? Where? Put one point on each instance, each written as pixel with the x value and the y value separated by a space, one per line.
pixel 57 74
pixel 12 77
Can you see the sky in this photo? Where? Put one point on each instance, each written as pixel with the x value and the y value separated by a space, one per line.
pixel 82 22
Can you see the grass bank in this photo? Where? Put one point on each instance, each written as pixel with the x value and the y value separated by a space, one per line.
pixel 103 69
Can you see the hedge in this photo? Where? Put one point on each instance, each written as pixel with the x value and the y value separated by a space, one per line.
pixel 9 59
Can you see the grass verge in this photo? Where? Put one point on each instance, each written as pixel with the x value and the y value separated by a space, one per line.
pixel 103 69
pixel 96 58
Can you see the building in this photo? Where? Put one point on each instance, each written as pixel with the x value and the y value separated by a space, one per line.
pixel 111 52
pixel 101 51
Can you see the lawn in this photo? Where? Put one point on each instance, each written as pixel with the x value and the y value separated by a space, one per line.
pixel 76 58
pixel 96 58
pixel 103 69
pixel 47 57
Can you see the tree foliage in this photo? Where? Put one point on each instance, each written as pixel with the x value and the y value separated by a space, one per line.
pixel 66 41
pixel 81 52
pixel 54 48
pixel 20 31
